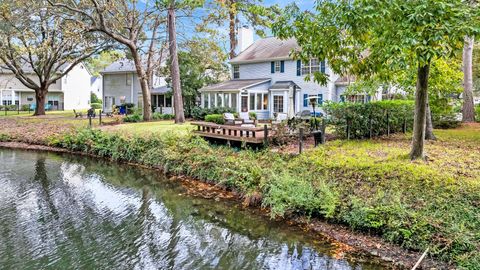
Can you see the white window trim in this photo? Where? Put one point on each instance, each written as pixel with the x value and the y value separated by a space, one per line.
pixel 277 66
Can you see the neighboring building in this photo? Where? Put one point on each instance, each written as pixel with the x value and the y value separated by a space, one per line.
pixel 96 86
pixel 70 92
pixel 121 85
pixel 267 80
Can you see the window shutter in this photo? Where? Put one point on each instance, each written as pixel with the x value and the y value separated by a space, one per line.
pixel 272 67
pixel 322 67
pixel 342 98
pixel 282 66
pixel 320 99
pixel 305 100
pixel 299 67
pixel 369 98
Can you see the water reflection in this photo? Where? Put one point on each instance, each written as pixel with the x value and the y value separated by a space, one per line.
pixel 65 212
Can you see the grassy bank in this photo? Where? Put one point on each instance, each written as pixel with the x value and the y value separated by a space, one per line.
pixel 369 185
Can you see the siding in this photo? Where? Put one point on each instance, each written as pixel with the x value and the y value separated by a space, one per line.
pixel 263 70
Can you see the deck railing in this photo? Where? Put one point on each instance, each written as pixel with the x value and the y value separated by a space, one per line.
pixel 233 132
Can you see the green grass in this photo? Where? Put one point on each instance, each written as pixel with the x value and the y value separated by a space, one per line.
pixel 154 127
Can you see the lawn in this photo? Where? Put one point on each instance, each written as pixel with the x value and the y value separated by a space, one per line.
pixel 149 128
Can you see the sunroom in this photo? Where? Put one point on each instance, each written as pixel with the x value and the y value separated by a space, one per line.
pixel 240 95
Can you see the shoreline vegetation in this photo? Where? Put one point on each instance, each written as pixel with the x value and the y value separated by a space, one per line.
pixel 368 186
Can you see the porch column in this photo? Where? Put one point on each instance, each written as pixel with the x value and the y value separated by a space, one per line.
pixel 1 97
pixel 291 109
pixel 13 97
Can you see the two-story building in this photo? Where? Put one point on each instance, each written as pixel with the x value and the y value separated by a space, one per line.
pixel 72 91
pixel 121 85
pixel 267 80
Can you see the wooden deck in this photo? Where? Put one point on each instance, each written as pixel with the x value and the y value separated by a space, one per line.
pixel 254 135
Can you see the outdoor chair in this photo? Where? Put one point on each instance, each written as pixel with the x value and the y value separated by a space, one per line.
pixel 79 114
pixel 245 117
pixel 230 119
pixel 280 118
pixel 91 113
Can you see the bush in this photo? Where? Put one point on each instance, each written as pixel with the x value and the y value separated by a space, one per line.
pixel 215 118
pixel 96 106
pixel 359 116
pixel 162 116
pixel 199 113
pixel 133 118
pixel 477 113
pixel 94 98
pixel 252 115
pixel 445 121
pixel 25 107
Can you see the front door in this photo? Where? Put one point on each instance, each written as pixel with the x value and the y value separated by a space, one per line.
pixel 278 104
pixel 244 103
pixel 109 102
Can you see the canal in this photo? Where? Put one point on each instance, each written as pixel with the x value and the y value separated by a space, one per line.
pixel 68 212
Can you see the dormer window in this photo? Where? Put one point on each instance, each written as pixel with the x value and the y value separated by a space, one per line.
pixel 236 71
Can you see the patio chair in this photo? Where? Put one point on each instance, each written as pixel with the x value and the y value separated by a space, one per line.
pixel 230 119
pixel 245 117
pixel 79 114
pixel 280 118
pixel 305 114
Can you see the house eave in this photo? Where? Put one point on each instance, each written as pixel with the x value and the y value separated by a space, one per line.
pixel 253 61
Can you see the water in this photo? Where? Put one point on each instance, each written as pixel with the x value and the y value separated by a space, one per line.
pixel 65 212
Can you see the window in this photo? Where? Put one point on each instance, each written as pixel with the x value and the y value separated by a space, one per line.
pixel 29 98
pixel 226 100
pixel 353 98
pixel 236 71
pixel 168 102
pixel 313 66
pixel 265 101
pixel 206 98
pixel 252 102
pixel 219 100
pixel 234 101
pixel 277 66
pixel 7 102
pixel 212 100
pixel 278 104
pixel 258 101
pixel 128 79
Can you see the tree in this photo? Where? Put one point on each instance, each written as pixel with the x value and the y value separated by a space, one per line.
pixel 202 62
pixel 239 12
pixel 132 23
pixel 39 47
pixel 365 37
pixel 468 110
pixel 99 62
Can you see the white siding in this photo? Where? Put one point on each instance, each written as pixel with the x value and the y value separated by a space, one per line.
pixel 263 70
pixel 76 88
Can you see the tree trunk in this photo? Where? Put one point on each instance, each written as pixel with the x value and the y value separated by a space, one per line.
pixel 421 97
pixel 144 85
pixel 174 68
pixel 468 106
pixel 40 95
pixel 232 13
pixel 429 126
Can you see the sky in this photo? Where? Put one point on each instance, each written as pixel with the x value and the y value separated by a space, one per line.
pixel 303 4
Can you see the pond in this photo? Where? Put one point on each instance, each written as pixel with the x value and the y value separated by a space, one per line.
pixel 64 212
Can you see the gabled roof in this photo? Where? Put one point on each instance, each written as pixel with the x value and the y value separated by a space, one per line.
pixel 345 80
pixel 120 66
pixel 160 90
pixel 283 85
pixel 270 48
pixel 234 85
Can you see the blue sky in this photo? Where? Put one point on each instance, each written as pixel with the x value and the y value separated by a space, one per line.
pixel 303 4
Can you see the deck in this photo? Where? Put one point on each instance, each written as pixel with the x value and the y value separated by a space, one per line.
pixel 255 135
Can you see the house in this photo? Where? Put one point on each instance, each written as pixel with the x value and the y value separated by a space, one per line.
pixel 96 86
pixel 121 85
pixel 72 91
pixel 267 80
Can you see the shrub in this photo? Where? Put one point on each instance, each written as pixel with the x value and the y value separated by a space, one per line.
pixel 96 106
pixel 477 113
pixel 252 115
pixel 445 121
pixel 133 118
pixel 95 99
pixel 199 113
pixel 162 116
pixel 215 118
pixel 360 118
pixel 25 107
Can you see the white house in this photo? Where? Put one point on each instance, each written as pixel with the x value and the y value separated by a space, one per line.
pixel 70 92
pixel 121 85
pixel 267 80
pixel 96 86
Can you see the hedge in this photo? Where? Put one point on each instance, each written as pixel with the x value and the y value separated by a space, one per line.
pixel 362 120
pixel 96 106
pixel 215 118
